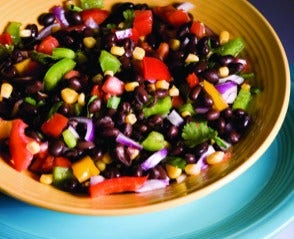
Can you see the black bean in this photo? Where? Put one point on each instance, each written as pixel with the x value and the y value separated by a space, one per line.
pixel 110 132
pixel 236 68
pixel 161 93
pixel 120 153
pixel 221 125
pixel 234 137
pixel 73 18
pixel 183 30
pixel 75 84
pixel 95 105
pixel 241 120
pixel 127 129
pixel 201 148
pixel 155 120
pixel 212 115
pixel 96 153
pixel 16 56
pixel 190 158
pixel 141 94
pixel 207 100
pixel 226 60
pixel 34 87
pixel 227 113
pixel 111 172
pixel 211 75
pixel 56 147
pixel 125 107
pixel 85 145
pixel 194 93
pixel 172 132
pixel 46 19
pixel 158 172
pixel 177 149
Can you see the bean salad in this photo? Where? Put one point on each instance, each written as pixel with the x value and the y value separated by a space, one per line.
pixel 131 99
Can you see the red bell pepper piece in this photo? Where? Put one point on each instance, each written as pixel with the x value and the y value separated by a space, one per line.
pixel 94 14
pixel 18 141
pixel 177 101
pixel 116 185
pixel 42 164
pixel 113 86
pixel 47 45
pixel 55 125
pixel 198 28
pixel 61 162
pixel 171 15
pixel 192 80
pixel 6 39
pixel 155 69
pixel 143 22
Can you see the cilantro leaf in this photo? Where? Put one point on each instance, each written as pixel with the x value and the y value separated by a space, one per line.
pixel 129 16
pixel 194 133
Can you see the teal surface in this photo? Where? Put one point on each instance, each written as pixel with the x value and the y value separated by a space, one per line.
pixel 256 205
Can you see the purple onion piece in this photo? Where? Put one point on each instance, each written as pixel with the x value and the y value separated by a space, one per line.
pixel 89 136
pixel 91 23
pixel 175 118
pixel 202 160
pixel 185 6
pixel 122 139
pixel 59 13
pixel 153 184
pixel 234 78
pixel 154 159
pixel 46 31
pixel 228 90
pixel 202 110
pixel 96 179
pixel 123 34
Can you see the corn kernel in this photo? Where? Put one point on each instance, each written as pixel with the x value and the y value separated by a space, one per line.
pixel 106 158
pixel 138 53
pixel 172 171
pixel 151 87
pixel 215 157
pixel 46 179
pixel 108 73
pixel 69 96
pixel 33 147
pixel 185 113
pixel 121 25
pixel 191 58
pixel 100 165
pixel 89 42
pixel 131 86
pixel 192 169
pixel 245 86
pixel 131 119
pixel 25 33
pixel 174 91
pixel 223 71
pixel 224 37
pixel 174 44
pixel 81 99
pixel 162 85
pixel 117 50
pixel 133 152
pixel 6 90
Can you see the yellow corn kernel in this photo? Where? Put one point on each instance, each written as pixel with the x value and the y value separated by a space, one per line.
pixel 46 179
pixel 25 33
pixel 117 50
pixel 161 85
pixel 81 99
pixel 106 158
pixel 22 66
pixel 84 169
pixel 245 86
pixel 33 147
pixel 121 25
pixel 131 119
pixel 89 42
pixel 133 152
pixel 192 169
pixel 131 86
pixel 172 171
pixel 101 165
pixel 138 53
pixel 174 91
pixel 185 113
pixel 108 73
pixel 151 87
pixel 215 157
pixel 191 58
pixel 174 44
pixel 69 95
pixel 223 71
pixel 224 37
pixel 6 90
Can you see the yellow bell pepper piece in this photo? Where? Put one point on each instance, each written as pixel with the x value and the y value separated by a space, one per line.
pixel 22 66
pixel 218 101
pixel 5 128
pixel 84 169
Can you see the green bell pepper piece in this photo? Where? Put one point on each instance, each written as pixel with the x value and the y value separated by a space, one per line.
pixel 69 138
pixel 62 52
pixel 61 176
pixel 109 62
pixel 243 99
pixel 161 107
pixel 13 29
pixel 113 102
pixel 87 4
pixel 232 47
pixel 56 72
pixel 154 141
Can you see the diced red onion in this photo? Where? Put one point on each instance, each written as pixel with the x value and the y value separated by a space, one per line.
pixel 175 118
pixel 74 132
pixel 46 31
pixel 202 161
pixel 154 159
pixel 186 6
pixel 234 78
pixel 59 13
pixel 123 34
pixel 202 110
pixel 122 139
pixel 91 23
pixel 228 90
pixel 89 136
pixel 96 179
pixel 153 184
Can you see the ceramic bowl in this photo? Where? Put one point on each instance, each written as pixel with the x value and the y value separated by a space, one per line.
pixel 267 55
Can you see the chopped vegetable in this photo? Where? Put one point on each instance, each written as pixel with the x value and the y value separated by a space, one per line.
pixel 232 47
pixel 109 62
pixel 155 69
pixel 84 169
pixel 154 159
pixel 161 107
pixel 154 141
pixel 143 21
pixel 243 98
pixel 13 29
pixel 55 125
pixel 86 4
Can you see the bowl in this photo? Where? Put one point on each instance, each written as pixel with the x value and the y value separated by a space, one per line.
pixel 263 49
